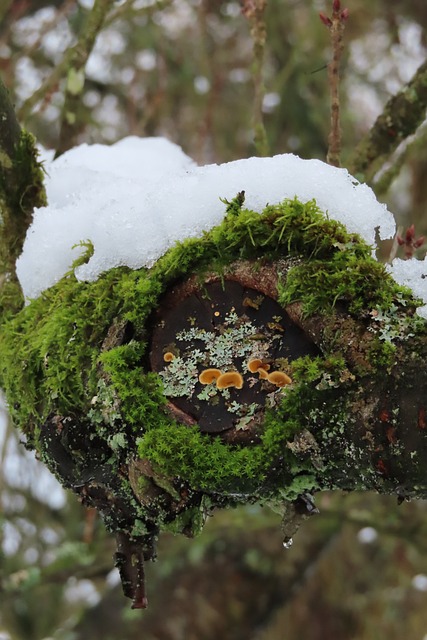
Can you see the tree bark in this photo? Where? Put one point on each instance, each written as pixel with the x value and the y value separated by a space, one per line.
pixel 21 190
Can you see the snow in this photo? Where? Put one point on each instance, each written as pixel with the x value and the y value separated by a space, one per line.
pixel 412 274
pixel 134 199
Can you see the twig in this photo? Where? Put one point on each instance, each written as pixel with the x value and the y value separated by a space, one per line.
pixel 336 26
pixel 74 58
pixel 70 123
pixel 253 10
pixel 60 13
pixel 129 560
pixel 128 10
pixel 401 117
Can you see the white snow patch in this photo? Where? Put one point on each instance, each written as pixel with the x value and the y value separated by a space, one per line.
pixel 136 198
pixel 413 274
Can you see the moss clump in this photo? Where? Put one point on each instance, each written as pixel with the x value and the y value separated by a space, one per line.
pixel 21 190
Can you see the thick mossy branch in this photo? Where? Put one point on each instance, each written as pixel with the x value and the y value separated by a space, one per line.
pixel 21 190
pixel 9 127
pixel 76 365
pixel 401 117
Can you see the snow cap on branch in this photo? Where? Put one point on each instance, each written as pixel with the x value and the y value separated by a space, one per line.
pixel 133 200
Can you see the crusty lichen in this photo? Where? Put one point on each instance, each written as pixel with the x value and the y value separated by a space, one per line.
pixel 57 359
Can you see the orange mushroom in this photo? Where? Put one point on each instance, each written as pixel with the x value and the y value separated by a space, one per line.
pixel 209 375
pixel 168 356
pixel 256 365
pixel 279 378
pixel 263 375
pixel 229 379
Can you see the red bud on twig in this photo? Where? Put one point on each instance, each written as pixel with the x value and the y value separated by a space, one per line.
pixel 410 233
pixel 410 242
pixel 336 6
pixel 344 14
pixel 326 21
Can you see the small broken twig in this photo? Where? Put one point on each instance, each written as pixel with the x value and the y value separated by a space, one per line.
pixel 129 560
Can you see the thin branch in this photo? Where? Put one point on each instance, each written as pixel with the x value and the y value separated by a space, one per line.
pixel 70 124
pixel 74 58
pixel 401 117
pixel 336 26
pixel 254 10
pixel 4 9
pixel 128 11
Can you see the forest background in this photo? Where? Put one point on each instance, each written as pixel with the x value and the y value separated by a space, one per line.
pixel 211 76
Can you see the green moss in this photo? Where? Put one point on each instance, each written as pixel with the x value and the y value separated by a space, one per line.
pixel 21 190
pixel 350 276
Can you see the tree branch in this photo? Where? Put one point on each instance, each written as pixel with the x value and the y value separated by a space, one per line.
pixel 254 10
pixel 71 124
pixel 402 116
pixel 21 190
pixel 74 59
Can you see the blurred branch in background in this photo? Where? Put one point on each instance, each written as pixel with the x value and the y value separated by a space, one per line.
pixel 335 24
pixel 71 124
pixel 401 117
pixel 254 10
pixel 74 58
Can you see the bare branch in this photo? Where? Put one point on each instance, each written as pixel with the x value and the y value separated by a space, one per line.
pixel 74 58
pixel 70 124
pixel 336 26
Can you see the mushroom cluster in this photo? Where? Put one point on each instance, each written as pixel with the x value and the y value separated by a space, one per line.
pixel 229 379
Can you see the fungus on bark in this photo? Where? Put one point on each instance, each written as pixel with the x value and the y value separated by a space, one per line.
pixel 279 378
pixel 229 379
pixel 209 375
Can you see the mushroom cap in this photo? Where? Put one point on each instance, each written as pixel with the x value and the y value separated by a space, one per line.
pixel 256 364
pixel 262 373
pixel 229 379
pixel 208 376
pixel 168 356
pixel 279 378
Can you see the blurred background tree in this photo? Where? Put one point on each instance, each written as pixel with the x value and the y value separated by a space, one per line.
pixel 185 69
